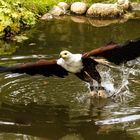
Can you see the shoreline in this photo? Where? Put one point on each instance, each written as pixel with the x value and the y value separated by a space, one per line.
pixel 15 17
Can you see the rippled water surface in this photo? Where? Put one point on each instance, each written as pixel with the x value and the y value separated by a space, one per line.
pixel 40 108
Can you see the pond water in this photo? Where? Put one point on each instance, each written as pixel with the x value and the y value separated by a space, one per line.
pixel 40 108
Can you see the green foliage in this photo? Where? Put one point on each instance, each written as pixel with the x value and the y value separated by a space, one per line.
pixel 15 16
pixel 36 6
pixel 20 38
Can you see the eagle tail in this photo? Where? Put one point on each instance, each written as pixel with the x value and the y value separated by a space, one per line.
pixel 104 62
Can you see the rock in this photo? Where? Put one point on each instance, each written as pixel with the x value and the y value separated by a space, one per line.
pixel 63 5
pixel 79 8
pixel 135 6
pixel 57 11
pixel 104 10
pixel 124 4
pixel 47 16
pixel 136 9
pixel 120 2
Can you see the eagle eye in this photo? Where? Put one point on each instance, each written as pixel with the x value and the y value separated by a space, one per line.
pixel 65 53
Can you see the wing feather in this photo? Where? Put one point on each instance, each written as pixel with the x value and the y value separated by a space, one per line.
pixel 117 53
pixel 42 67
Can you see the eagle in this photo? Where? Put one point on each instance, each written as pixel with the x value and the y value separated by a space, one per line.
pixel 82 65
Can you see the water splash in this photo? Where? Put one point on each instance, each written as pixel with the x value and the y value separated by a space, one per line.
pixel 117 80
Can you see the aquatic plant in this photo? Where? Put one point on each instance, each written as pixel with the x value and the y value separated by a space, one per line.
pixel 6 48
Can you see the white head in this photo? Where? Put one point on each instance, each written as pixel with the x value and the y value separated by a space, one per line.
pixel 70 62
pixel 65 54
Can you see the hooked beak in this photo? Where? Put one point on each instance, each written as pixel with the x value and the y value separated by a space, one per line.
pixel 62 56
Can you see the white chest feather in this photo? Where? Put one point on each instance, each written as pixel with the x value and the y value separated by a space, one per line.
pixel 72 64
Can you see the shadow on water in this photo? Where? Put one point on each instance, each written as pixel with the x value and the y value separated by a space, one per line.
pixel 52 108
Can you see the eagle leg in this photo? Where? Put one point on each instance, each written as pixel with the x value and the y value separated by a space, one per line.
pixel 94 74
pixel 88 76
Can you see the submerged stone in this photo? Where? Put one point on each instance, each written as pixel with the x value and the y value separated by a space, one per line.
pixel 79 8
pixel 105 22
pixel 79 19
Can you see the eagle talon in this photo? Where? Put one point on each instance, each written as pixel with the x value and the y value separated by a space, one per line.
pixel 102 93
pixel 98 93
pixel 93 94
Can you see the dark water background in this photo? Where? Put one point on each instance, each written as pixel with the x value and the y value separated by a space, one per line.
pixel 40 108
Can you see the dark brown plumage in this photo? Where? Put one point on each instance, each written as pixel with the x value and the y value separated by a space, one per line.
pixel 43 67
pixel 117 53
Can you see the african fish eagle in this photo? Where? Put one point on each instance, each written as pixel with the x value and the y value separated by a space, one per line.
pixel 82 65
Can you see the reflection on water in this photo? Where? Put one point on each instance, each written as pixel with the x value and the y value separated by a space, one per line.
pixel 58 109
pixel 54 122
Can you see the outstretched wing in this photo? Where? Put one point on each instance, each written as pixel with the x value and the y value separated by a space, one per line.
pixel 117 53
pixel 42 67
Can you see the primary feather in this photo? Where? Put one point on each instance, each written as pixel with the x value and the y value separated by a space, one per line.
pixel 117 53
pixel 42 67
